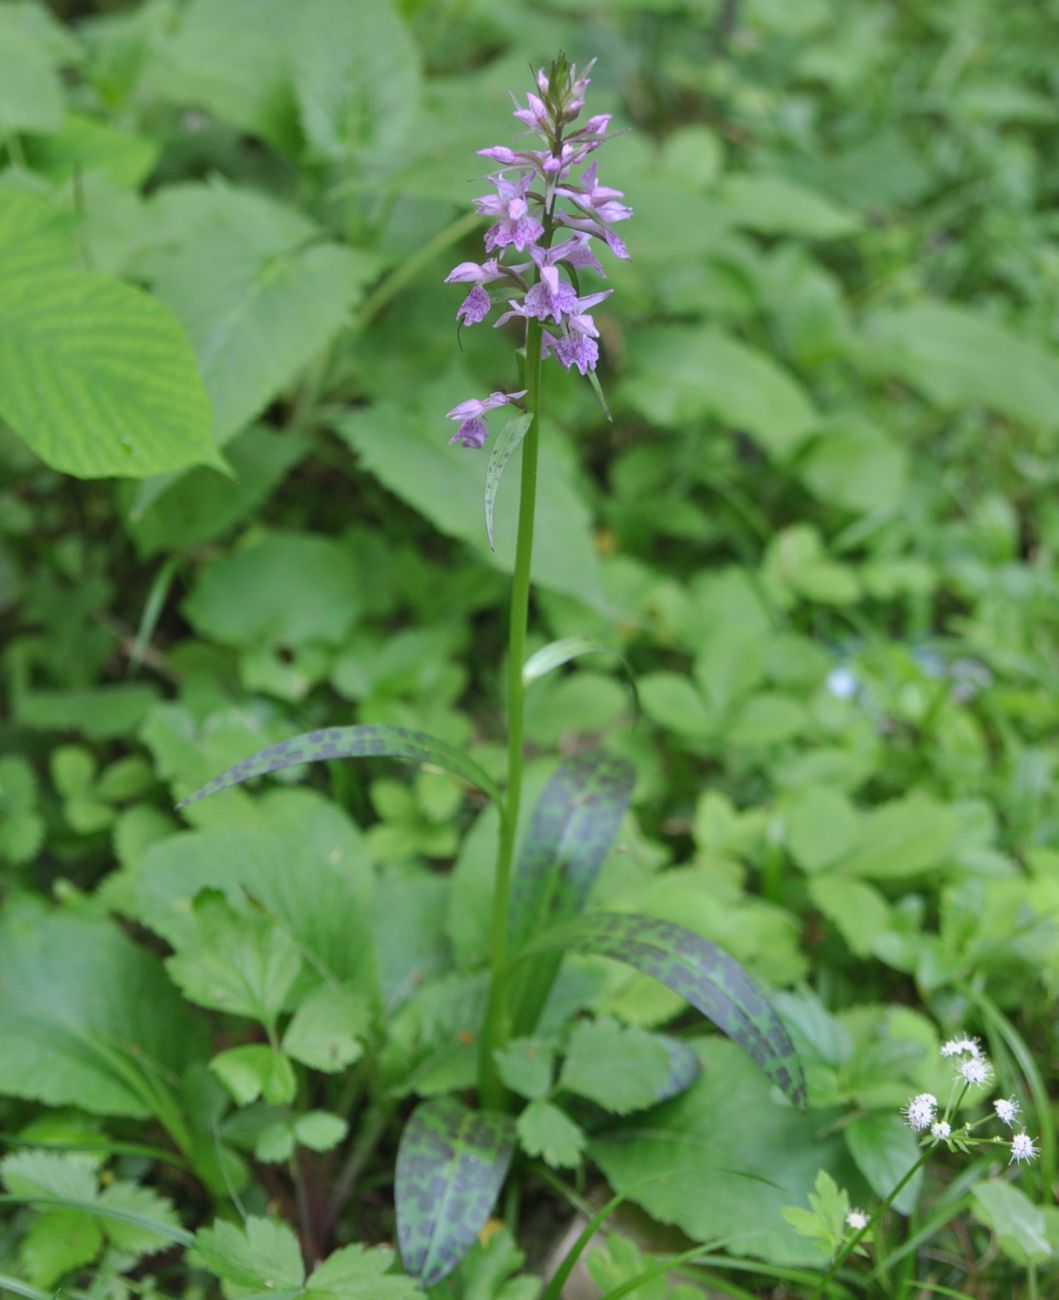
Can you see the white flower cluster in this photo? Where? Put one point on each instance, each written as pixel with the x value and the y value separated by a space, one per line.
pixel 973 1070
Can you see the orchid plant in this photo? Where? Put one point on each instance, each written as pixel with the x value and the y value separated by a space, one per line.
pixel 549 214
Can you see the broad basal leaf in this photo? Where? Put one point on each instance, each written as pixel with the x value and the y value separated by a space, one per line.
pixel 700 973
pixel 724 1159
pixel 958 357
pixel 87 1019
pixel 98 377
pixel 352 742
pixel 402 441
pixel 260 293
pixel 451 1164
pixel 685 374
pixel 356 79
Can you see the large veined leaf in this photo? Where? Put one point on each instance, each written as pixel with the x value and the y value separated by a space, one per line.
pixel 684 374
pixel 957 357
pixel 352 742
pixel 700 973
pixel 723 1159
pixel 300 865
pixel 404 444
pixel 88 1019
pixel 356 79
pixel 98 377
pixel 258 289
pixel 451 1164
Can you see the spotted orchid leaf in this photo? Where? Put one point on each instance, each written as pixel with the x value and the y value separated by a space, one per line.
pixel 700 972
pixel 570 833
pixel 451 1164
pixel 503 449
pixel 352 742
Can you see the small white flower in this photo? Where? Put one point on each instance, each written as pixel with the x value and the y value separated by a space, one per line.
pixel 1022 1148
pixel 1007 1111
pixel 940 1131
pixel 976 1071
pixel 857 1219
pixel 920 1111
pixel 961 1045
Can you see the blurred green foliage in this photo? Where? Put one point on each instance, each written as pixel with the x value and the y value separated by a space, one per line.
pixel 822 530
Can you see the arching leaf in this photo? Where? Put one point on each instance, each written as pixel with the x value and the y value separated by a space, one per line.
pixel 556 653
pixel 352 742
pixel 697 970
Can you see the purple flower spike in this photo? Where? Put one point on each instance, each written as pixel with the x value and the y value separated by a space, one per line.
pixel 473 431
pixel 548 193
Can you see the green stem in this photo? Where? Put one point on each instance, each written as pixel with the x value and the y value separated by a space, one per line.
pixel 495 1030
pixel 851 1245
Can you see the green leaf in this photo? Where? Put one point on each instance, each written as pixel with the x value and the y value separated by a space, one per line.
pixel 776 206
pixel 57 1243
pixel 35 236
pixel 301 865
pixel 287 589
pixel 101 712
pixel 203 504
pixel 856 466
pixel 221 56
pixel 903 838
pixel 723 1159
pixel 697 971
pixel 99 378
pixel 526 1066
pixel 352 742
pixel 570 833
pixel 451 1164
pixel 326 1030
pixel 33 47
pixel 319 1130
pixel 543 1130
pixel 66 1176
pixel 504 447
pixel 258 290
pixel 98 1029
pixel 235 962
pixel 959 357
pixel 619 1067
pixel 1021 1227
pixel 556 653
pixel 684 374
pixel 356 80
pixel 256 1070
pixel 356 1273
pixel 262 1254
pixel 885 1149
pixel 135 1235
pixel 404 445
